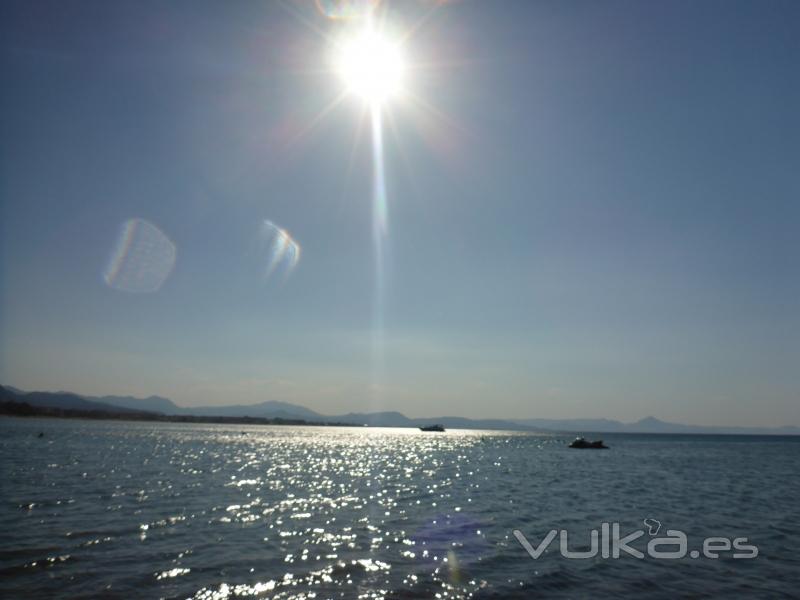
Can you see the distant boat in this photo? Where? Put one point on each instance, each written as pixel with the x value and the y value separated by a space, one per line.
pixel 432 428
pixel 583 443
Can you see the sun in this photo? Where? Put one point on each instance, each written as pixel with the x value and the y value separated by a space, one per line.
pixel 371 66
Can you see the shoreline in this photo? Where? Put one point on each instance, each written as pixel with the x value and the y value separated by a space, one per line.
pixel 25 410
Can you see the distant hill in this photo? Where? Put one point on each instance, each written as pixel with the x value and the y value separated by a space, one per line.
pixel 269 409
pixel 11 388
pixel 274 409
pixel 151 404
pixel 649 425
pixel 63 400
pixel 604 425
pixel 379 419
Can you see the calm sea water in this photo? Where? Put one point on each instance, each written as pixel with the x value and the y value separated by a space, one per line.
pixel 137 510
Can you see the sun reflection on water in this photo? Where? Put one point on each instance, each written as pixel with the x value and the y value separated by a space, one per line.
pixel 282 512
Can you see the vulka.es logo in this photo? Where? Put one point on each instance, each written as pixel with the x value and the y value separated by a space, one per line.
pixel 609 543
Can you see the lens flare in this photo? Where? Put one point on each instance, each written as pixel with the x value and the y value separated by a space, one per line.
pixel 283 252
pixel 457 536
pixel 142 259
pixel 346 9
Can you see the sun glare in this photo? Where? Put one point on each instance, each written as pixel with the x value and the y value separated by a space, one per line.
pixel 371 67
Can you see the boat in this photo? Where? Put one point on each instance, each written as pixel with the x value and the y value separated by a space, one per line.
pixel 584 443
pixel 432 428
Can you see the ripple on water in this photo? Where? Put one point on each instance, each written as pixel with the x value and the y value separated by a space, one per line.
pixel 200 511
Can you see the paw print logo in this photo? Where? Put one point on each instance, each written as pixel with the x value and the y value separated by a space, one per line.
pixel 653 525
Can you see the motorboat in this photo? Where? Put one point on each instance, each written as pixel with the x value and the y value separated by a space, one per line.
pixel 584 443
pixel 432 428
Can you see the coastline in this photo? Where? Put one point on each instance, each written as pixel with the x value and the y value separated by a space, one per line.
pixel 23 409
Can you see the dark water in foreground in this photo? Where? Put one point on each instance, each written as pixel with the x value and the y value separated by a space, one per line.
pixel 139 510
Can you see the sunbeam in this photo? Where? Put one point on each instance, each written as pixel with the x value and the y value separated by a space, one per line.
pixel 369 54
pixel 379 236
pixel 371 65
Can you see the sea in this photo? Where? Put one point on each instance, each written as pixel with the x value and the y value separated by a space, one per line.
pixel 115 509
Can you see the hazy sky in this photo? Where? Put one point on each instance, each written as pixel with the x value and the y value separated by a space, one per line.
pixel 592 208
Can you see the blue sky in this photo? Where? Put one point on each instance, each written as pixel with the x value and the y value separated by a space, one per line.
pixel 592 208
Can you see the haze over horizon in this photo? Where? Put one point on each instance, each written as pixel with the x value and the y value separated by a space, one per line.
pixel 133 402
pixel 591 210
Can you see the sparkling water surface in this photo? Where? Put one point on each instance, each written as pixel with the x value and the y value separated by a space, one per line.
pixel 107 509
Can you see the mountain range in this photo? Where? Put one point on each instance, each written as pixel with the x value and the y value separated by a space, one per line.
pixel 272 409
